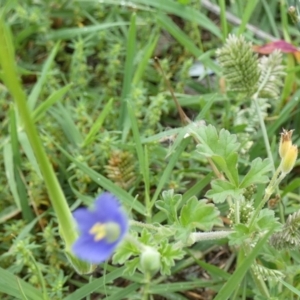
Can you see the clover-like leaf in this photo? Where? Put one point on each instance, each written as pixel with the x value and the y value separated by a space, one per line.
pixel 168 256
pixel 257 173
pixel 199 214
pixel 221 189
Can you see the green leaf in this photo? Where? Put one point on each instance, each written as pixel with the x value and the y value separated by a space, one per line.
pixel 121 194
pixel 88 288
pixel 36 91
pixel 68 33
pixel 199 214
pixel 229 167
pixel 90 137
pixel 146 237
pixel 16 287
pixel 266 220
pixel 168 254
pixel 170 166
pixel 212 143
pixel 290 287
pixel 169 204
pixel 240 235
pixel 131 266
pixel 166 289
pixel 40 111
pixel 235 279
pixel 221 190
pixel 128 70
pixel 221 148
pixel 163 231
pixel 257 173
pixel 10 172
pixel 124 251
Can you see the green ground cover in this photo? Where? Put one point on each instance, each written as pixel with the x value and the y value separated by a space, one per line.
pixel 166 105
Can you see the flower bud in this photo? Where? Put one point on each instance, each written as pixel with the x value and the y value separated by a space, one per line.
pixel 150 260
pixel 285 142
pixel 289 159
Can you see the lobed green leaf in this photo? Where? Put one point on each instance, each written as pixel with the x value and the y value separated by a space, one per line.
pixel 221 190
pixel 199 214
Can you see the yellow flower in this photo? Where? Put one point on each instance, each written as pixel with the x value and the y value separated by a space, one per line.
pixel 289 159
pixel 285 142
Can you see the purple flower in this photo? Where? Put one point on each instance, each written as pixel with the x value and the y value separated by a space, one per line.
pixel 101 229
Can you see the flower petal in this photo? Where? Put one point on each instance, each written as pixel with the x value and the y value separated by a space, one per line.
pixel 106 206
pixel 85 219
pixel 87 249
pixel 106 210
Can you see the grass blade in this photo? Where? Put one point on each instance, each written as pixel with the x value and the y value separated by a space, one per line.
pixel 128 71
pixel 183 11
pixel 91 287
pixel 17 165
pixel 125 292
pixel 40 111
pixel 235 279
pixel 247 13
pixel 73 32
pixel 11 285
pixel 168 170
pixel 10 174
pixel 183 39
pixel 33 97
pixel 105 183
pixel 64 118
pixel 147 53
pixel 290 287
pixel 142 157
pixel 97 125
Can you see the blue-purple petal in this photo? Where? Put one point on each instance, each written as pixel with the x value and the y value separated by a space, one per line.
pixel 106 209
pixel 93 252
pixel 85 219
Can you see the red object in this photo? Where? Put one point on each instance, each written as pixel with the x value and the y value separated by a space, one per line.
pixel 281 45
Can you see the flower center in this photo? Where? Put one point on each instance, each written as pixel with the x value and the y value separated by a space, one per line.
pixel 110 231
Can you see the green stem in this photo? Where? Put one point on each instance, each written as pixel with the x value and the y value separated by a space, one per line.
pixel 268 192
pixel 260 284
pixel 264 132
pixel 212 235
pixel 203 236
pixel 268 148
pixel 146 287
pixel 258 280
pixel 11 80
pixel 237 211
pixel 143 225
